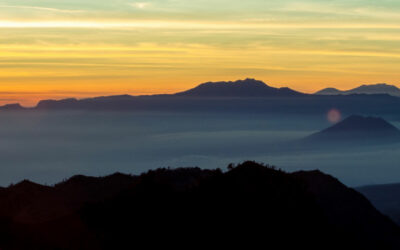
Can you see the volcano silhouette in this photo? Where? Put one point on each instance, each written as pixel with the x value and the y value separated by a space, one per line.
pixel 357 129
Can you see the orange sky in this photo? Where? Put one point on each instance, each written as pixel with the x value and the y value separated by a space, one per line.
pixel 89 48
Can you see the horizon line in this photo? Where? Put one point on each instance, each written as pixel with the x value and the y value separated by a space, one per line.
pixel 115 94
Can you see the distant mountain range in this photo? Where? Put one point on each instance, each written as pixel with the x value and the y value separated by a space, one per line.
pixel 381 88
pixel 244 89
pixel 355 129
pixel 249 205
pixel 243 96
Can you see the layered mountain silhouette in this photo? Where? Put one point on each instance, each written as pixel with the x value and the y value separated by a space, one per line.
pixel 219 92
pixel 356 129
pixel 251 205
pixel 241 88
pixel 381 88
pixel 243 96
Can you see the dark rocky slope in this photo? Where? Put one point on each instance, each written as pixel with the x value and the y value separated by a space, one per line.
pixel 250 206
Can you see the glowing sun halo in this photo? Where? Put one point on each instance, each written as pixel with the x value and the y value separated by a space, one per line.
pixel 334 116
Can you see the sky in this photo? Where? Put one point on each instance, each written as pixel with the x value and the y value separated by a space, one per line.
pixel 52 49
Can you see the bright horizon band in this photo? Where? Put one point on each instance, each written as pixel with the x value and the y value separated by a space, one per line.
pixel 88 48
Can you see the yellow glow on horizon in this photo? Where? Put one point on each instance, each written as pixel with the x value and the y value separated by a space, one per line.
pixel 58 49
pixel 110 69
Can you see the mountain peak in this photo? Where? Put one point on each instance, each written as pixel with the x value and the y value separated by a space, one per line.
pixel 44 104
pixel 27 186
pixel 371 89
pixel 355 128
pixel 248 82
pixel 12 107
pixel 362 123
pixel 251 81
pixel 328 91
pixel 379 88
pixel 378 85
pixel 241 88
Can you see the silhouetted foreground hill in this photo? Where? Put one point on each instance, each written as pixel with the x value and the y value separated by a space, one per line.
pixel 386 198
pixel 249 206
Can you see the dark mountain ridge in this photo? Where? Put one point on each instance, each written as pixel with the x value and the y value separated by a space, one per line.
pixel 241 88
pixel 248 88
pixel 12 107
pixel 243 96
pixel 380 88
pixel 249 205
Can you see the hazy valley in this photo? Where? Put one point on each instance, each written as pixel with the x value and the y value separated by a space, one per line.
pixel 132 134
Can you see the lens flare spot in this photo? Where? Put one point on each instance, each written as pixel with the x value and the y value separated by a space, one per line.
pixel 334 116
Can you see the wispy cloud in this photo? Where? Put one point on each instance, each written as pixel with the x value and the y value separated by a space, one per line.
pixel 200 25
pixel 332 8
pixel 41 8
